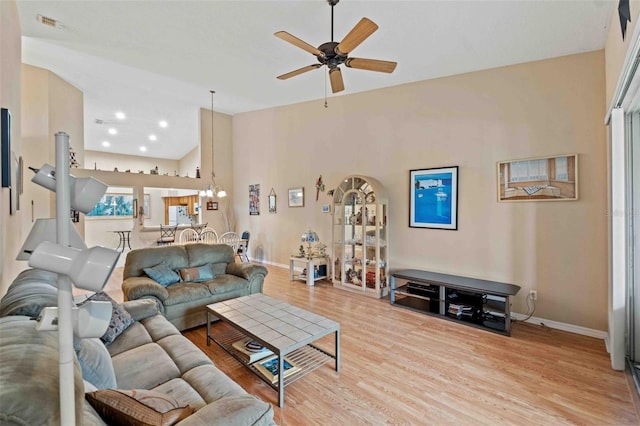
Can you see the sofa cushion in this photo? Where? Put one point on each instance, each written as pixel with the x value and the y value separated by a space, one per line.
pixel 226 283
pixel 29 374
pixel 236 410
pixel 162 274
pixel 174 256
pixel 95 363
pixel 219 268
pixel 144 366
pixel 186 292
pixel 196 274
pixel 32 290
pixel 199 254
pixel 134 336
pixel 137 407
pixel 120 318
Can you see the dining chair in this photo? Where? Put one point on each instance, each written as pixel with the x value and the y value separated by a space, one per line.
pixel 167 235
pixel 188 236
pixel 199 227
pixel 243 247
pixel 209 236
pixel 230 238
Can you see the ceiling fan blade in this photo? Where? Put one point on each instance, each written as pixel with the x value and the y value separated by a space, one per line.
pixel 357 35
pixel 337 84
pixel 299 43
pixel 299 71
pixel 371 64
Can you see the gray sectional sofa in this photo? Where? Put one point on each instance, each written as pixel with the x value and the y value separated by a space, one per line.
pixel 150 354
pixel 183 303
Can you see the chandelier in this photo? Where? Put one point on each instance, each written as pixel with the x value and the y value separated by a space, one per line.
pixel 213 190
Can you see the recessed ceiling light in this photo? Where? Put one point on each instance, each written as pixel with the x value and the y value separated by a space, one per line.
pixel 143 148
pixel 113 131
pixel 163 124
pixel 152 137
pixel 106 143
pixel 120 115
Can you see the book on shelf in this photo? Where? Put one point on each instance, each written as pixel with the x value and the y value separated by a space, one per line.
pixel 269 368
pixel 250 351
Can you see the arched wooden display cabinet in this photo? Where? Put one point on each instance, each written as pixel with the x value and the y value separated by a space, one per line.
pixel 360 248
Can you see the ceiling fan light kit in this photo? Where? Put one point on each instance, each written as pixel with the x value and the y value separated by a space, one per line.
pixel 333 54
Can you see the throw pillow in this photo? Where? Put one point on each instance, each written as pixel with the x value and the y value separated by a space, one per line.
pixel 137 407
pixel 96 364
pixel 162 274
pixel 197 274
pixel 120 318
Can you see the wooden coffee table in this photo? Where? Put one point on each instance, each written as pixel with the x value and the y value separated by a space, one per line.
pixel 283 328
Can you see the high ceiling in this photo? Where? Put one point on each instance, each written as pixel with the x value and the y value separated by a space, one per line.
pixel 157 60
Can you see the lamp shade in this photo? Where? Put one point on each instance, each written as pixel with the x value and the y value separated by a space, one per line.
pixel 45 230
pixel 85 192
pixel 89 269
pixel 92 318
pixel 309 237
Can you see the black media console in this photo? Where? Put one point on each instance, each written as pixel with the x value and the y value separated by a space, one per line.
pixel 479 303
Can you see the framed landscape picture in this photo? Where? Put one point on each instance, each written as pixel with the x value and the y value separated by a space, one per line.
pixel 538 179
pixel 433 200
pixel 296 197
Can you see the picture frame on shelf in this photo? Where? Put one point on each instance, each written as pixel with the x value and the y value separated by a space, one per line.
pixel 296 197
pixel 433 200
pixel 326 208
pixel 552 178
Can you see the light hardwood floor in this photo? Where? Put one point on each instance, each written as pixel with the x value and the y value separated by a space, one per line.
pixel 407 368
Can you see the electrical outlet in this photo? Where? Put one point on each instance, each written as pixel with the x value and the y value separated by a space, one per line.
pixel 533 294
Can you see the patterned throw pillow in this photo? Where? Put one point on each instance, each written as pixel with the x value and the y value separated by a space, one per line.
pixel 162 274
pixel 120 318
pixel 197 274
pixel 137 407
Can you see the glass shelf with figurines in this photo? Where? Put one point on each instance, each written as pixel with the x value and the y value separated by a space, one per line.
pixel 360 247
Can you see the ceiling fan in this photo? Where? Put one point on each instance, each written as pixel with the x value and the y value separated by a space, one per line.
pixel 332 54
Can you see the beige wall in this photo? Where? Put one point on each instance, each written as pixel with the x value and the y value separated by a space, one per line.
pixel 190 162
pixel 472 120
pixel 10 92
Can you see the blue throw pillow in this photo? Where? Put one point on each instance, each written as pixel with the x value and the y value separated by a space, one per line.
pixel 197 274
pixel 162 274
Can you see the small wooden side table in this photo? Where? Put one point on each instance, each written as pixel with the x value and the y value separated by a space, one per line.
pixel 310 263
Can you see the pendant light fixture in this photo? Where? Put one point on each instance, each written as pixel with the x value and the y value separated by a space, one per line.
pixel 213 190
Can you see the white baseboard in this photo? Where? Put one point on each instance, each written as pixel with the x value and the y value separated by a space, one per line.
pixel 599 334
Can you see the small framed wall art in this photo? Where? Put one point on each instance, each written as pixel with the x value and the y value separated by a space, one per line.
pixel 272 201
pixel 296 197
pixel 538 179
pixel 254 199
pixel 433 200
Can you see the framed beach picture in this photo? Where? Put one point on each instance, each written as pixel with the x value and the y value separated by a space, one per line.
pixel 433 200
pixel 539 179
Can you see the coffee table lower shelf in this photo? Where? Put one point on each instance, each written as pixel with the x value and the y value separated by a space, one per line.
pixel 307 358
